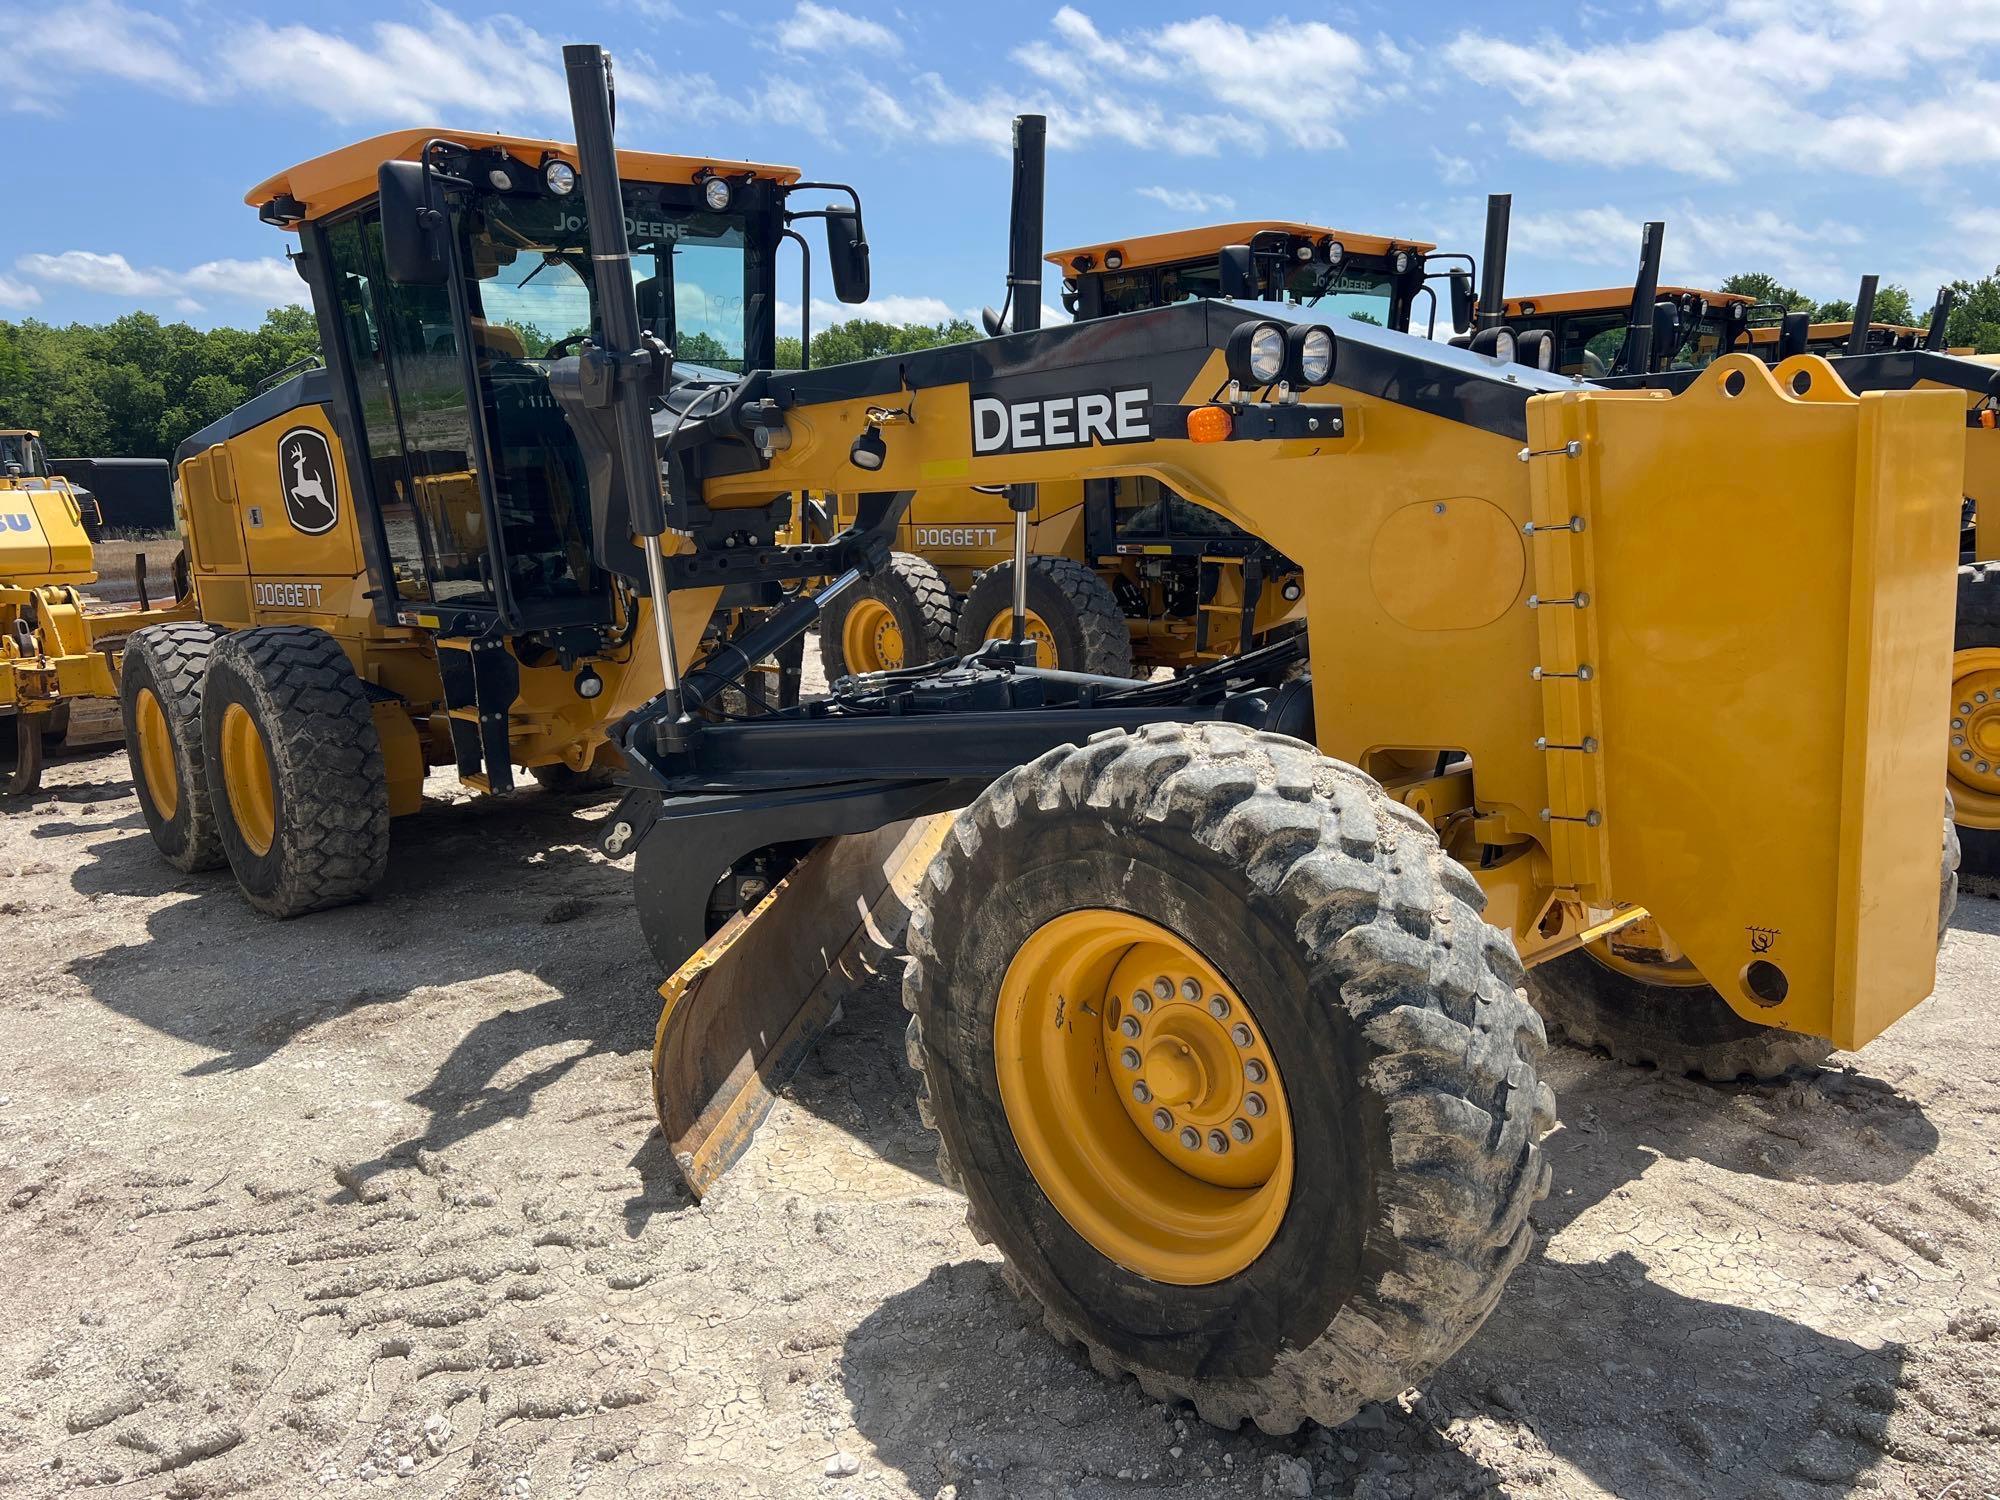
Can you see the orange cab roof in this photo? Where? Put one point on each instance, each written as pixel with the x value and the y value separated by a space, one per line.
pixel 1207 240
pixel 345 176
pixel 1613 299
pixel 1765 333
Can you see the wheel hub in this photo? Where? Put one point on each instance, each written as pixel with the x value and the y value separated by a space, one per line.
pixel 1143 1096
pixel 1973 737
pixel 246 775
pixel 870 638
pixel 1033 628
pixel 156 753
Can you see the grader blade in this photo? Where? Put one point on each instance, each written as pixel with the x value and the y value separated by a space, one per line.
pixel 742 1014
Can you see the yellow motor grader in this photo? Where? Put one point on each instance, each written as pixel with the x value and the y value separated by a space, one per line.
pixel 1216 981
pixel 1123 576
pixel 52 652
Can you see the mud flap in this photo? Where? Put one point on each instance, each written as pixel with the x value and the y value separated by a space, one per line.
pixel 744 1011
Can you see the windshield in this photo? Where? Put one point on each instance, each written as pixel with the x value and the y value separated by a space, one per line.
pixel 530 258
pixel 24 451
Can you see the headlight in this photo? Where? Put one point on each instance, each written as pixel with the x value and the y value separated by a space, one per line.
pixel 1113 259
pixel 1256 353
pixel 1309 353
pixel 1304 252
pixel 1335 252
pixel 1402 262
pixel 715 193
pixel 560 178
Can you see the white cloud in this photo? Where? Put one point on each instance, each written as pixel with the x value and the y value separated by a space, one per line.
pixel 821 28
pixel 1453 171
pixel 1701 248
pixel 268 282
pixel 48 45
pixel 18 293
pixel 1742 82
pixel 1188 200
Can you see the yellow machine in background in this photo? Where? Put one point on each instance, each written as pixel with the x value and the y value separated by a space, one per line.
pixel 1125 575
pixel 51 652
pixel 383 553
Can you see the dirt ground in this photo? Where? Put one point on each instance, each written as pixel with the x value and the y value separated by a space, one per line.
pixel 374 1198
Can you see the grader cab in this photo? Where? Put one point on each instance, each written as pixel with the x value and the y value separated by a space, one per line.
pixel 1217 982
pixel 396 551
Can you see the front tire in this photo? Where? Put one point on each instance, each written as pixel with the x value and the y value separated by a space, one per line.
pixel 899 616
pixel 295 770
pixel 1397 1056
pixel 1073 617
pixel 159 698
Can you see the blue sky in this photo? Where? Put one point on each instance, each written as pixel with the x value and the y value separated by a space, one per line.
pixel 1814 140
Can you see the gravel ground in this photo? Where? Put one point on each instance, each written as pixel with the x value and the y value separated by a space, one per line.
pixel 375 1198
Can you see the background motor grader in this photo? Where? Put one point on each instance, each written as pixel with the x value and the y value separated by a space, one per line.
pixel 1215 981
pixel 52 652
pixel 391 556
pixel 1123 576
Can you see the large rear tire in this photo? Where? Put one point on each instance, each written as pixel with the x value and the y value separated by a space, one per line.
pixel 1973 766
pixel 159 699
pixel 900 616
pixel 1282 929
pixel 1073 617
pixel 1675 1022
pixel 295 770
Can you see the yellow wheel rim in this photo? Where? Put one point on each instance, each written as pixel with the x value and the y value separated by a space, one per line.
pixel 1642 950
pixel 246 773
pixel 1143 1096
pixel 870 638
pixel 1033 628
pixel 1974 737
pixel 156 754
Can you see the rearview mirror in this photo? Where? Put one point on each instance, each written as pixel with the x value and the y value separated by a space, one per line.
pixel 847 254
pixel 1238 280
pixel 1461 301
pixel 413 221
pixel 1666 332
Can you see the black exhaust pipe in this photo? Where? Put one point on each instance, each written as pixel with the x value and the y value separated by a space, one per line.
pixel 1636 358
pixel 1864 315
pixel 1493 262
pixel 1938 334
pixel 1024 222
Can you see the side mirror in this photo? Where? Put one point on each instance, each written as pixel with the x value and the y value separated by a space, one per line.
pixel 1238 278
pixel 847 254
pixel 1461 302
pixel 413 224
pixel 1793 332
pixel 995 324
pixel 1666 332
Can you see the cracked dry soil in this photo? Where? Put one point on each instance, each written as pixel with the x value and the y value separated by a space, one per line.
pixel 374 1199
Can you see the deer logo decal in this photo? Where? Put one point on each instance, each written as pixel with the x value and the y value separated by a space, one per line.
pixel 305 479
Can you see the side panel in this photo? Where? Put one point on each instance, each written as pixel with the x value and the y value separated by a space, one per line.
pixel 1768 624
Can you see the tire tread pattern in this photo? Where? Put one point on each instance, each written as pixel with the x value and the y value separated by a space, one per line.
pixel 1433 988
pixel 177 655
pixel 1094 616
pixel 917 592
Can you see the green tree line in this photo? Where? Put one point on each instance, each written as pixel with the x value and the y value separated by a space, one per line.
pixel 135 387
pixel 1974 322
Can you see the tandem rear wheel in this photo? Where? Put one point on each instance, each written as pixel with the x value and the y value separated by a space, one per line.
pixel 294 770
pixel 160 681
pixel 1073 618
pixel 902 615
pixel 1229 1067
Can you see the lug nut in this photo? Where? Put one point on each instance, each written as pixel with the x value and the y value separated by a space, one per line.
pixel 1958 723
pixel 1253 1104
pixel 1190 1138
pixel 1978 697
pixel 1142 1002
pixel 1190 990
pixel 1965 708
pixel 1140 1092
pixel 1984 768
pixel 1240 1129
pixel 1130 1026
pixel 1130 1057
pixel 1965 755
pixel 1163 987
pixel 1241 1033
pixel 1217 1142
pixel 1217 1006
pixel 1163 1119
pixel 1958 739
pixel 1255 1071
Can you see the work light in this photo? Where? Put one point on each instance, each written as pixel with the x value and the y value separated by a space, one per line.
pixel 869 451
pixel 1309 353
pixel 1256 353
pixel 715 193
pixel 559 177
